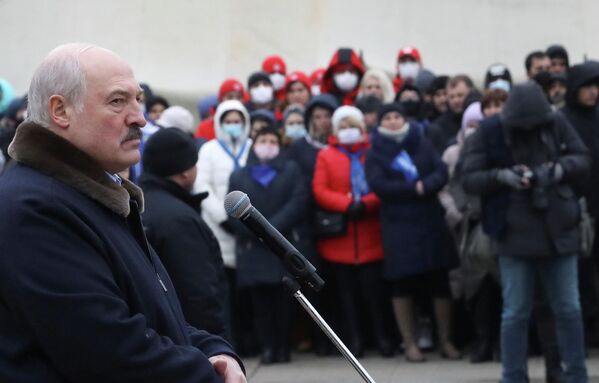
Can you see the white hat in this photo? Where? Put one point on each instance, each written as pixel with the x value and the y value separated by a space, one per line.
pixel 177 117
pixel 344 112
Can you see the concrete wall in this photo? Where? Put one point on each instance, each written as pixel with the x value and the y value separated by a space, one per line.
pixel 186 48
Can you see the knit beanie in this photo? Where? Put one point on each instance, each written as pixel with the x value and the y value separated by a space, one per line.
pixel 168 152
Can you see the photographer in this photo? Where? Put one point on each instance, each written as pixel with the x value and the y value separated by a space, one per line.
pixel 523 164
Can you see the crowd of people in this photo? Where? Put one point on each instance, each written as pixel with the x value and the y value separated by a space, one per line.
pixel 431 207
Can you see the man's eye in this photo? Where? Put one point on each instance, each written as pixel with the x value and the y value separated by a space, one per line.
pixel 117 101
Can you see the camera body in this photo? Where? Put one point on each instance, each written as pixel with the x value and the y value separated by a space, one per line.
pixel 540 179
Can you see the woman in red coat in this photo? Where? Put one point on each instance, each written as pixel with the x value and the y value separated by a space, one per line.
pixel 356 256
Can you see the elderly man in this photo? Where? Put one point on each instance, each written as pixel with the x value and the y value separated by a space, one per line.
pixel 83 298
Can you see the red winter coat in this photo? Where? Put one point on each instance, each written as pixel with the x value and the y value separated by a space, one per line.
pixel 332 191
pixel 205 130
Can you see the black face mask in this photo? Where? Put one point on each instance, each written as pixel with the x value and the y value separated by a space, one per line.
pixel 412 108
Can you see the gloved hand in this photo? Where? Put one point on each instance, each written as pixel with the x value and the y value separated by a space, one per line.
pixel 510 178
pixel 356 210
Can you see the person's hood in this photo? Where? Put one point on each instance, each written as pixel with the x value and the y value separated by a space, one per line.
pixel 579 75
pixel 343 57
pixel 326 101
pixel 526 107
pixel 227 106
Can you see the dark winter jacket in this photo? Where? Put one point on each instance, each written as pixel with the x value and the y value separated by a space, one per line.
pixel 189 251
pixel 528 133
pixel 586 122
pixel 282 203
pixel 304 155
pixel 442 132
pixel 83 297
pixel 415 236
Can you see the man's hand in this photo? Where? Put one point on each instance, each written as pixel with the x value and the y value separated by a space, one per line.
pixel 419 188
pixel 228 369
pixel 513 179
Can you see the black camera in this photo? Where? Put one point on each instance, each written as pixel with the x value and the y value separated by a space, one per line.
pixel 540 179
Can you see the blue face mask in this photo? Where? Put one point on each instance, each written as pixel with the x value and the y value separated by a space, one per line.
pixel 233 130
pixel 295 131
pixel 500 84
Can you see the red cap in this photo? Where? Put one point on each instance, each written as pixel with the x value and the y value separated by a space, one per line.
pixel 297 76
pixel 230 85
pixel 409 51
pixel 317 75
pixel 274 64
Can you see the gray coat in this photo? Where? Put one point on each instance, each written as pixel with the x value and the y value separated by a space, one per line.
pixel 529 133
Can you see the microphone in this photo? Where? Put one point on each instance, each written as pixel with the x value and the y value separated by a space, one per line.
pixel 237 205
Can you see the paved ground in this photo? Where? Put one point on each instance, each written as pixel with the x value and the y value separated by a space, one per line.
pixel 307 368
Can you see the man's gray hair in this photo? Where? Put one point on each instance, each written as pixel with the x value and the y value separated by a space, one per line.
pixel 60 73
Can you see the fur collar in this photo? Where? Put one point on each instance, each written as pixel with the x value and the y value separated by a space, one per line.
pixel 56 157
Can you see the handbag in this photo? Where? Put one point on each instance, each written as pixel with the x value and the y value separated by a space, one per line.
pixel 587 229
pixel 328 224
pixel 477 248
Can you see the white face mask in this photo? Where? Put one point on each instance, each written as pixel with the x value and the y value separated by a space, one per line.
pixel 261 94
pixel 500 84
pixel 349 136
pixel 315 90
pixel 295 131
pixel 266 152
pixel 346 81
pixel 408 69
pixel 278 80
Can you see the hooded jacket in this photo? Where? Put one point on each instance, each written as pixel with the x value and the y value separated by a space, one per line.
pixel 344 57
pixel 215 166
pixel 527 132
pixel 586 122
pixel 84 298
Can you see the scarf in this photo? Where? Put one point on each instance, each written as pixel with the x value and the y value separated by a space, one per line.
pixel 234 157
pixel 359 185
pixel 264 174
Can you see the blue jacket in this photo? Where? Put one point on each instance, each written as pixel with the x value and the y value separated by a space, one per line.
pixel 83 297
pixel 415 236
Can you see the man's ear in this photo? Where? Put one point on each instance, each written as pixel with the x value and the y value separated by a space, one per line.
pixel 59 115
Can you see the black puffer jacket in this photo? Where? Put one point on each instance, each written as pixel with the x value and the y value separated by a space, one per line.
pixel 585 120
pixel 528 133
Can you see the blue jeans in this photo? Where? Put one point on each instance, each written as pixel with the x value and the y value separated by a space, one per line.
pixel 560 279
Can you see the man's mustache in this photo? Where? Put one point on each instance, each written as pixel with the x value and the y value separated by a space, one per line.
pixel 134 133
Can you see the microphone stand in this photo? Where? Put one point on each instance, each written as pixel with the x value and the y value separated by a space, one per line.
pixel 295 289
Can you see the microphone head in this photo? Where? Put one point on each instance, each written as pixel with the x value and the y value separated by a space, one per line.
pixel 237 203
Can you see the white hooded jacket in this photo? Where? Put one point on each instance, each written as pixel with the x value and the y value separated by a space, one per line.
pixel 215 166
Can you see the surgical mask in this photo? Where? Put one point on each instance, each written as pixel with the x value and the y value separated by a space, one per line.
pixel 346 81
pixel 295 131
pixel 234 130
pixel 261 94
pixel 349 136
pixel 315 90
pixel 266 152
pixel 500 84
pixel 408 70
pixel 412 107
pixel 278 80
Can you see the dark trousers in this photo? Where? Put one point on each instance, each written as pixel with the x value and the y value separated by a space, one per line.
pixel 272 306
pixel 357 284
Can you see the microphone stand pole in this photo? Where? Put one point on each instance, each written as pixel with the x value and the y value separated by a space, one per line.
pixel 295 289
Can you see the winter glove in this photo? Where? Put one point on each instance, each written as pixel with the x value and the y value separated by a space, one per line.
pixel 356 210
pixel 510 178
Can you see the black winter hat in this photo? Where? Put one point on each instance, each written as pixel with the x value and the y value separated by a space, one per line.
pixel 440 82
pixel 391 107
pixel 169 151
pixel 258 76
pixel 555 51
